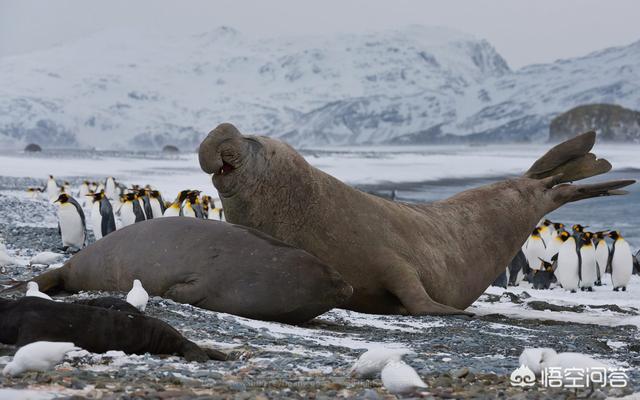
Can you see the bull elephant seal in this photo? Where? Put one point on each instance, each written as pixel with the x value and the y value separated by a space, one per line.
pixel 209 264
pixel 400 258
pixel 95 329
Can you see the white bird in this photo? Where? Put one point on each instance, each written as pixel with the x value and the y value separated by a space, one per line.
pixel 532 357
pixel 46 258
pixel 34 291
pixel 371 362
pixel 570 361
pixel 38 356
pixel 137 296
pixel 400 378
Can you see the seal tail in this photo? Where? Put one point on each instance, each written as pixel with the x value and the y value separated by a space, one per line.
pixel 571 161
pixel 50 282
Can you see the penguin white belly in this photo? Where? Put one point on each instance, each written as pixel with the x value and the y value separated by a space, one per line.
pixel 545 234
pixel 588 266
pixel 52 191
pixel 602 258
pixel 156 210
pixel 127 215
pixel 70 226
pixel 110 189
pixel 96 220
pixel 535 252
pixel 187 211
pixel 172 212
pixel 552 249
pixel 621 264
pixel 567 270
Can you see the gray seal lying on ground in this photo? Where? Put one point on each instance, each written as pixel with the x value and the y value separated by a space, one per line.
pixel 400 258
pixel 209 264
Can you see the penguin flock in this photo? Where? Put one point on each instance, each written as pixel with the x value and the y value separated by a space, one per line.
pixel 552 256
pixel 113 205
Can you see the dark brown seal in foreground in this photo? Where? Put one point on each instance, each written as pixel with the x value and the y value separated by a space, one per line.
pixel 96 329
pixel 209 264
pixel 400 258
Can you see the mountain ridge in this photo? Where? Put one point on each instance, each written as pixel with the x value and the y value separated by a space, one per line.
pixel 130 89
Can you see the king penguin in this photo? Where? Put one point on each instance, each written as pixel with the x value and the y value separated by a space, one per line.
pixel 621 261
pixel 602 255
pixel 53 191
pixel 192 207
pixel 71 222
pixel 82 194
pixel 535 249
pixel 588 269
pixel 130 211
pixel 518 268
pixel 110 188
pixel 102 218
pixel 175 209
pixel 157 204
pixel 568 263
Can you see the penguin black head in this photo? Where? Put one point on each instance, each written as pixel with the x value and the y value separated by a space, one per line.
pixel 600 234
pixel 97 196
pixel 558 225
pixel 50 176
pixel 130 196
pixel 615 235
pixel 192 196
pixel 577 228
pixel 154 193
pixel 85 182
pixel 546 266
pixel 536 232
pixel 183 195
pixel 546 222
pixel 142 192
pixel 564 235
pixel 63 198
pixel 586 238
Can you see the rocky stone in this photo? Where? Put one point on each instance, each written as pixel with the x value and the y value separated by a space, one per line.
pixel 613 123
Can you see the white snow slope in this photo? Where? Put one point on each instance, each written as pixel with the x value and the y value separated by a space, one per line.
pixel 124 89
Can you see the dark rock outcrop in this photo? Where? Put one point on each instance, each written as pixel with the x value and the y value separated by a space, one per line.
pixel 613 123
pixel 32 148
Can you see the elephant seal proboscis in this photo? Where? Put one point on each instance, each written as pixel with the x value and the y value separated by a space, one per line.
pixel 95 329
pixel 400 258
pixel 208 264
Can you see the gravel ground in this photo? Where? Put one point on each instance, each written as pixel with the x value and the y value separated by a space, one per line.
pixel 457 357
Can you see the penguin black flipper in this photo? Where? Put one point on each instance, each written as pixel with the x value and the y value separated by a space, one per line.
pixel 609 268
pixel 147 207
pixel 579 266
pixel 80 211
pixel 137 211
pixel 108 223
pixel 162 206
pixel 197 209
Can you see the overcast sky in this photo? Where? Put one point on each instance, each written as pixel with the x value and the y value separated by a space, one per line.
pixel 523 32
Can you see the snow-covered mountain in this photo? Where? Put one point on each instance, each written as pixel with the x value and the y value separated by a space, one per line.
pixel 124 89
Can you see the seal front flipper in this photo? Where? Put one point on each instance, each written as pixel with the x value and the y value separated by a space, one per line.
pixel 413 296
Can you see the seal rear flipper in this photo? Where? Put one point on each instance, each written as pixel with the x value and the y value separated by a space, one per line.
pixel 569 161
pixel 49 282
pixel 188 292
pixel 413 296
